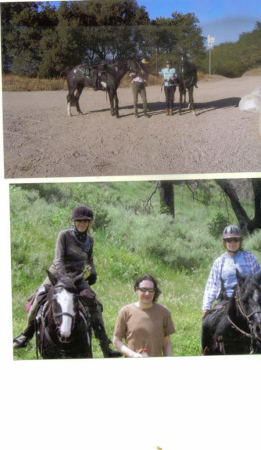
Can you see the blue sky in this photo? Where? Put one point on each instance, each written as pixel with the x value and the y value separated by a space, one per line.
pixel 223 19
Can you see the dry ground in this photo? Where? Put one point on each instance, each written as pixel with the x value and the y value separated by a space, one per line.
pixel 41 141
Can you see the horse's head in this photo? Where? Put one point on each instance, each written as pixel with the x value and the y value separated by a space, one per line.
pixel 63 298
pixel 135 67
pixel 248 294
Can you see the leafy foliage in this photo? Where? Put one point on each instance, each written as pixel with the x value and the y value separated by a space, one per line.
pixel 128 242
pixel 233 59
pixel 217 225
pixel 39 40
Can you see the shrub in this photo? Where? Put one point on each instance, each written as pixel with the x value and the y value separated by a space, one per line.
pixel 217 225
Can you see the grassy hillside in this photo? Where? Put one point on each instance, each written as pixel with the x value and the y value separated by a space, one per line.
pixel 131 237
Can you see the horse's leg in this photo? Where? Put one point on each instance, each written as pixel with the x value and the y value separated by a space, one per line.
pixel 69 98
pixel 180 98
pixel 116 101
pixel 77 97
pixel 111 97
pixel 191 101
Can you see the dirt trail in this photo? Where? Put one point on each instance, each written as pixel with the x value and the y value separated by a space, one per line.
pixel 41 141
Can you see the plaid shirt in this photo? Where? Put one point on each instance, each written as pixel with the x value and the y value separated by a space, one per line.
pixel 213 286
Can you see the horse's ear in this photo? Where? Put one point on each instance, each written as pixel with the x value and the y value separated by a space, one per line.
pixel 240 279
pixel 52 278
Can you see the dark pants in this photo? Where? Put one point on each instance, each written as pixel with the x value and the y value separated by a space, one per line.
pixel 169 94
pixel 136 90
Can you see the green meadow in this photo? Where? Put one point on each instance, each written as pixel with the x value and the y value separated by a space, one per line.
pixel 131 237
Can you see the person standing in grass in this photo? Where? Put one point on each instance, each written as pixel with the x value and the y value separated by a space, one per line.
pixel 145 325
pixel 223 272
pixel 73 253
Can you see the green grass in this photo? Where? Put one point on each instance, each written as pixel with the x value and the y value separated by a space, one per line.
pixel 129 241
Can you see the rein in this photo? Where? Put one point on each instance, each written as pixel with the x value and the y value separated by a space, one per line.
pixel 45 311
pixel 244 314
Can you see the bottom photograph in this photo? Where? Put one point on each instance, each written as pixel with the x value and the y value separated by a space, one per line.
pixel 136 269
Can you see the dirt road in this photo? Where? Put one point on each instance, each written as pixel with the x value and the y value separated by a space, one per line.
pixel 41 141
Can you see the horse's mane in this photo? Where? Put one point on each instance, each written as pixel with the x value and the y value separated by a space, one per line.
pixel 67 282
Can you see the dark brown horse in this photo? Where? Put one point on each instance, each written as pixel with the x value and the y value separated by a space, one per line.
pixel 186 80
pixel 62 322
pixel 104 77
pixel 233 327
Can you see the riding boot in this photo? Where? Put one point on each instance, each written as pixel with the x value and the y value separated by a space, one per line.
pixel 100 334
pixel 22 339
pixel 171 112
pixel 95 309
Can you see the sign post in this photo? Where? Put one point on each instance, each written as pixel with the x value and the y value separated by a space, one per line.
pixel 211 41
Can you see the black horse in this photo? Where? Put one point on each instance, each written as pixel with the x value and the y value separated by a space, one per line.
pixel 62 323
pixel 233 327
pixel 104 77
pixel 186 80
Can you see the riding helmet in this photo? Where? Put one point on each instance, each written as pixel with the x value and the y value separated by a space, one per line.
pixel 168 61
pixel 82 212
pixel 232 231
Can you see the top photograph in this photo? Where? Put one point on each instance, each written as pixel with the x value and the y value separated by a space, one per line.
pixel 130 88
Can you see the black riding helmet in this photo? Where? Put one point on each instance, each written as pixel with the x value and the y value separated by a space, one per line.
pixel 232 231
pixel 82 212
pixel 168 61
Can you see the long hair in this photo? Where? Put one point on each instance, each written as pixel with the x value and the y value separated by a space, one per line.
pixel 147 276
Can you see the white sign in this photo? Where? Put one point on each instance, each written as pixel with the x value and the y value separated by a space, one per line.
pixel 211 40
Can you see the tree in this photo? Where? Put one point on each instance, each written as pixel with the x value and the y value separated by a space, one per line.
pixel 247 225
pixel 167 204
pixel 22 27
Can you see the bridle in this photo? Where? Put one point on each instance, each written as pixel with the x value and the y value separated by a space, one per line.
pixel 189 82
pixel 242 310
pixel 43 315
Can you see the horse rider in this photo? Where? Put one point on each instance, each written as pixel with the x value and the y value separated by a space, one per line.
pixel 169 74
pixel 223 272
pixel 73 253
pixel 138 83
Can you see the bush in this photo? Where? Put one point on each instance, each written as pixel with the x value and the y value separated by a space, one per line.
pixel 217 225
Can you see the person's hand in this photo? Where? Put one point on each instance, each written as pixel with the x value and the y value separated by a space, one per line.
pixel 92 278
pixel 204 313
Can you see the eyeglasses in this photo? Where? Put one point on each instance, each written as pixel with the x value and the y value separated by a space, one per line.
pixel 232 240
pixel 145 289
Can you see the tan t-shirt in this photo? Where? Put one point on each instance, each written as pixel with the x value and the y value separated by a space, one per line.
pixel 144 328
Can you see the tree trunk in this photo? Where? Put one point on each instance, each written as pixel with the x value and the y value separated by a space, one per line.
pixel 167 197
pixel 246 224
